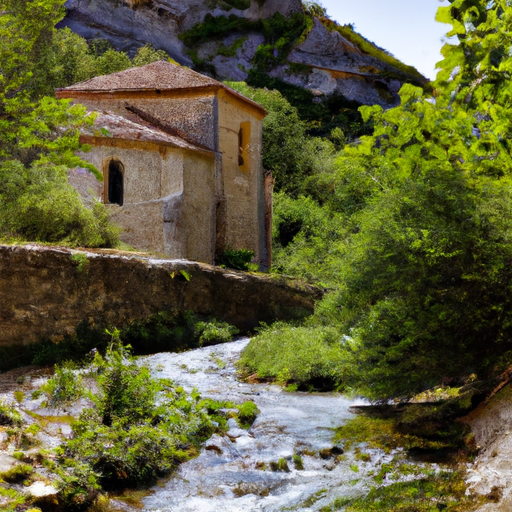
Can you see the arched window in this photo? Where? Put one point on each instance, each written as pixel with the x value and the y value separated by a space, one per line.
pixel 115 183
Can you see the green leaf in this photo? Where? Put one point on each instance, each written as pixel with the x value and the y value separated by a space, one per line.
pixel 185 274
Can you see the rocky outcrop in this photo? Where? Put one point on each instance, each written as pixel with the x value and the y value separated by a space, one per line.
pixel 46 292
pixel 159 22
pixel 323 61
pixel 339 66
pixel 490 474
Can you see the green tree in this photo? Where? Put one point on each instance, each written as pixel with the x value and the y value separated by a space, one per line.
pixel 69 58
pixel 39 137
pixel 424 276
pixel 426 279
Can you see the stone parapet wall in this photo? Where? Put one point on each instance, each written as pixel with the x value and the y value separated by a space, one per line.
pixel 45 292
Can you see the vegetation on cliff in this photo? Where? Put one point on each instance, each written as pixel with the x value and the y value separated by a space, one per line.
pixel 281 35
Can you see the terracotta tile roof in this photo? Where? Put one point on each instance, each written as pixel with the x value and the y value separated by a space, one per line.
pixel 160 75
pixel 113 126
pixel 191 119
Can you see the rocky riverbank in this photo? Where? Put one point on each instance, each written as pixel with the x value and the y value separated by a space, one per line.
pixel 293 457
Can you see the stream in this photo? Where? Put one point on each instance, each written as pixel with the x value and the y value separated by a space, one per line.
pixel 233 472
pixel 286 461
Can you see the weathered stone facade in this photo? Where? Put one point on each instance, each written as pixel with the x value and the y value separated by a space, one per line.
pixel 187 153
pixel 46 292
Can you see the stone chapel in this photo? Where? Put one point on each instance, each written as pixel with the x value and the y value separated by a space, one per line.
pixel 180 155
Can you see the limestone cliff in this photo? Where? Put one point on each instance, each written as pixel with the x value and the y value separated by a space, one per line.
pixel 230 39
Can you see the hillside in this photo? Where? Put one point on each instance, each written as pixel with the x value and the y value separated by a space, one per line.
pixel 274 43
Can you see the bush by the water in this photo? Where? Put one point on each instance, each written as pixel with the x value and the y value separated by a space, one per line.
pixel 309 358
pixel 140 428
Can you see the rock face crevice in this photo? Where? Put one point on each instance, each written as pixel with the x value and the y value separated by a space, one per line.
pixel 46 292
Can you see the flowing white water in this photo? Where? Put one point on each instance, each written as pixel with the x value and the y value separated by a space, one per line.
pixel 232 472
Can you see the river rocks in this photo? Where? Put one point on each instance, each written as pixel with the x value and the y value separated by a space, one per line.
pixel 235 431
pixel 42 490
pixel 328 453
pixel 491 473
pixel 44 294
pixel 7 462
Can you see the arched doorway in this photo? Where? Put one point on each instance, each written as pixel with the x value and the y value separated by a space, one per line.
pixel 115 182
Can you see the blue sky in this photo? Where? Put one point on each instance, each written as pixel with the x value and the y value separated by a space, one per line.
pixel 406 28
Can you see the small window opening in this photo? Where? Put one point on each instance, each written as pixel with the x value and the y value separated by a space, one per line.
pixel 244 140
pixel 241 147
pixel 115 183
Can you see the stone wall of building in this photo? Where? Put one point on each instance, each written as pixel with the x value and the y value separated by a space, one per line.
pixel 242 182
pixel 45 292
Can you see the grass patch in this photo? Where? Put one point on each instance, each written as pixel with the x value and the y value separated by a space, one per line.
pixel 298 462
pixel 231 50
pixel 11 499
pixel 402 484
pixel 309 358
pixel 428 493
pixel 9 415
pixel 390 433
pixel 17 474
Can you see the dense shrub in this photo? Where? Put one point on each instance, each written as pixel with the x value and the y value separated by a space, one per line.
pixel 37 204
pixel 237 259
pixel 214 332
pixel 166 331
pixel 307 240
pixel 308 357
pixel 140 427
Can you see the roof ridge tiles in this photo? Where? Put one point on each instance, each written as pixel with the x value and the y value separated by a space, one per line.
pixel 161 75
